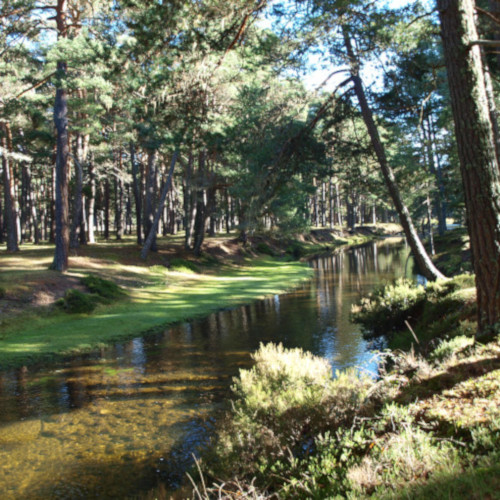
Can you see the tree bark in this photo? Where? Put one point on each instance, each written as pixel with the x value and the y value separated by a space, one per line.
pixel 91 212
pixel 61 253
pixel 9 195
pixel 119 204
pixel 74 240
pixel 422 259
pixel 435 170
pixel 137 193
pixel 149 198
pixel 476 149
pixel 189 204
pixel 154 227
pixel 106 209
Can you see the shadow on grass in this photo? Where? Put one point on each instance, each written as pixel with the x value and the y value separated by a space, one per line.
pixel 482 483
pixel 454 375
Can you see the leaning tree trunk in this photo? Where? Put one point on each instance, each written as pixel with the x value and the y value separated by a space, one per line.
pixel 60 262
pixel 476 149
pixel 424 262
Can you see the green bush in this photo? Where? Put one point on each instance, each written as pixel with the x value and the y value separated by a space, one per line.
pixel 106 290
pixel 447 348
pixel 386 308
pixel 76 302
pixel 265 249
pixel 296 250
pixel 282 404
pixel 439 307
pixel 183 266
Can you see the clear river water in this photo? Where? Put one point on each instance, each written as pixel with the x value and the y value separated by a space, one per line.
pixel 114 423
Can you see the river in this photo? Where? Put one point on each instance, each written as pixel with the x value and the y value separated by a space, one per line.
pixel 114 423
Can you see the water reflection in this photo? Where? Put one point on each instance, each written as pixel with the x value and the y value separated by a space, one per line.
pixel 100 425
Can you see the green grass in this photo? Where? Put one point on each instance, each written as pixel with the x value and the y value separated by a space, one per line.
pixel 150 308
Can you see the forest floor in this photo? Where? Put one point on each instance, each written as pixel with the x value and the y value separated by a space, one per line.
pixel 429 427
pixel 170 286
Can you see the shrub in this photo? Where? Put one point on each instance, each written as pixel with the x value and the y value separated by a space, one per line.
pixel 404 457
pixel 76 302
pixel 183 266
pixel 265 249
pixel 447 348
pixel 386 308
pixel 282 404
pixel 106 290
pixel 296 250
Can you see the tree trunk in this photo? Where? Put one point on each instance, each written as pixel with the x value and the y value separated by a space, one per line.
pixel 74 239
pixel 33 197
pixel 137 193
pixel 435 170
pixel 190 204
pixel 339 205
pixel 476 150
pixel 424 262
pixel 106 209
pixel 52 234
pixel 149 199
pixel 202 211
pixel 154 227
pixel 323 204
pixel 60 262
pixel 119 212
pixel 91 212
pixel 331 200
pixel 315 204
pixel 9 195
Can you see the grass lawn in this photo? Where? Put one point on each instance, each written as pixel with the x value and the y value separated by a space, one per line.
pixel 31 327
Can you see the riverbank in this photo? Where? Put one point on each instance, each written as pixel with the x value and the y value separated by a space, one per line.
pixel 429 427
pixel 170 287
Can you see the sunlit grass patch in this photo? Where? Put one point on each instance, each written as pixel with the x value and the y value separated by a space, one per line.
pixel 153 302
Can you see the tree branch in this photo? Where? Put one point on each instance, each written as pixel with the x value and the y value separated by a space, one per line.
pixel 38 84
pixel 485 43
pixel 495 19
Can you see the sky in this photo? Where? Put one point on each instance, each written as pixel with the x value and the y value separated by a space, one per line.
pixel 370 74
